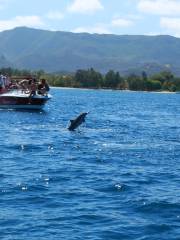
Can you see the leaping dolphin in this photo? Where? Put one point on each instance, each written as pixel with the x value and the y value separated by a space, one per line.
pixel 75 123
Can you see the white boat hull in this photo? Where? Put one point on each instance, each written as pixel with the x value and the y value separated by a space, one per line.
pixel 18 100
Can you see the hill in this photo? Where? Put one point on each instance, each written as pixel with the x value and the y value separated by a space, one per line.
pixel 65 51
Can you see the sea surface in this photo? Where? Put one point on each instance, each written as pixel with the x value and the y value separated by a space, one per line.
pixel 116 177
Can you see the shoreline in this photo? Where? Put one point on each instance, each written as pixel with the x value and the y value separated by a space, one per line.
pixel 101 89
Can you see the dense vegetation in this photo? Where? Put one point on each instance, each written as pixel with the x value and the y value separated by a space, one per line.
pixel 163 81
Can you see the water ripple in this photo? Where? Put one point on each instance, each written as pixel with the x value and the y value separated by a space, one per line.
pixel 117 177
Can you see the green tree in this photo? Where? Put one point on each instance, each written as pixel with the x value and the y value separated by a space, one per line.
pixel 164 76
pixel 136 83
pixel 153 85
pixel 113 80
pixel 144 76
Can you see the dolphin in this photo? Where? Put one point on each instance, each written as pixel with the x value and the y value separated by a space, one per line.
pixel 75 123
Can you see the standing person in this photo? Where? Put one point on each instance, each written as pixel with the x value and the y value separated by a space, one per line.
pixel 2 86
pixel 32 88
pixel 7 82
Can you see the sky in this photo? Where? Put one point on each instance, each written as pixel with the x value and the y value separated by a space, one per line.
pixel 137 17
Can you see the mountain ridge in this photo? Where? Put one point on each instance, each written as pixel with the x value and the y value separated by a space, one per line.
pixel 55 51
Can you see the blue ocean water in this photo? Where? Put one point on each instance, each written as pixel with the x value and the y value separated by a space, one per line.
pixel 117 177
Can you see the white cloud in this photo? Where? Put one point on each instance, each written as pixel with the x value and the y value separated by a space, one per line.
pixel 96 29
pixel 55 15
pixel 103 28
pixel 28 21
pixel 120 22
pixel 171 24
pixel 160 7
pixel 85 6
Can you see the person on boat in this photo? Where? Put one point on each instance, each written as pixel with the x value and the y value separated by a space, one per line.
pixel 25 85
pixel 2 84
pixel 32 87
pixel 43 87
pixel 7 82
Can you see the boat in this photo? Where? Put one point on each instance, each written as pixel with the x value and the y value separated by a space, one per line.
pixel 17 99
pixel 24 94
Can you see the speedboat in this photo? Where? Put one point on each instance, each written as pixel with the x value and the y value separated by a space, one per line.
pixel 18 99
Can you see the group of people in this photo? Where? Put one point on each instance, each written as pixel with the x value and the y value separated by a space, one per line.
pixel 28 85
pixel 34 87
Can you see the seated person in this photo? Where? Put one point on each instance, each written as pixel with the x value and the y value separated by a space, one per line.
pixel 43 87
